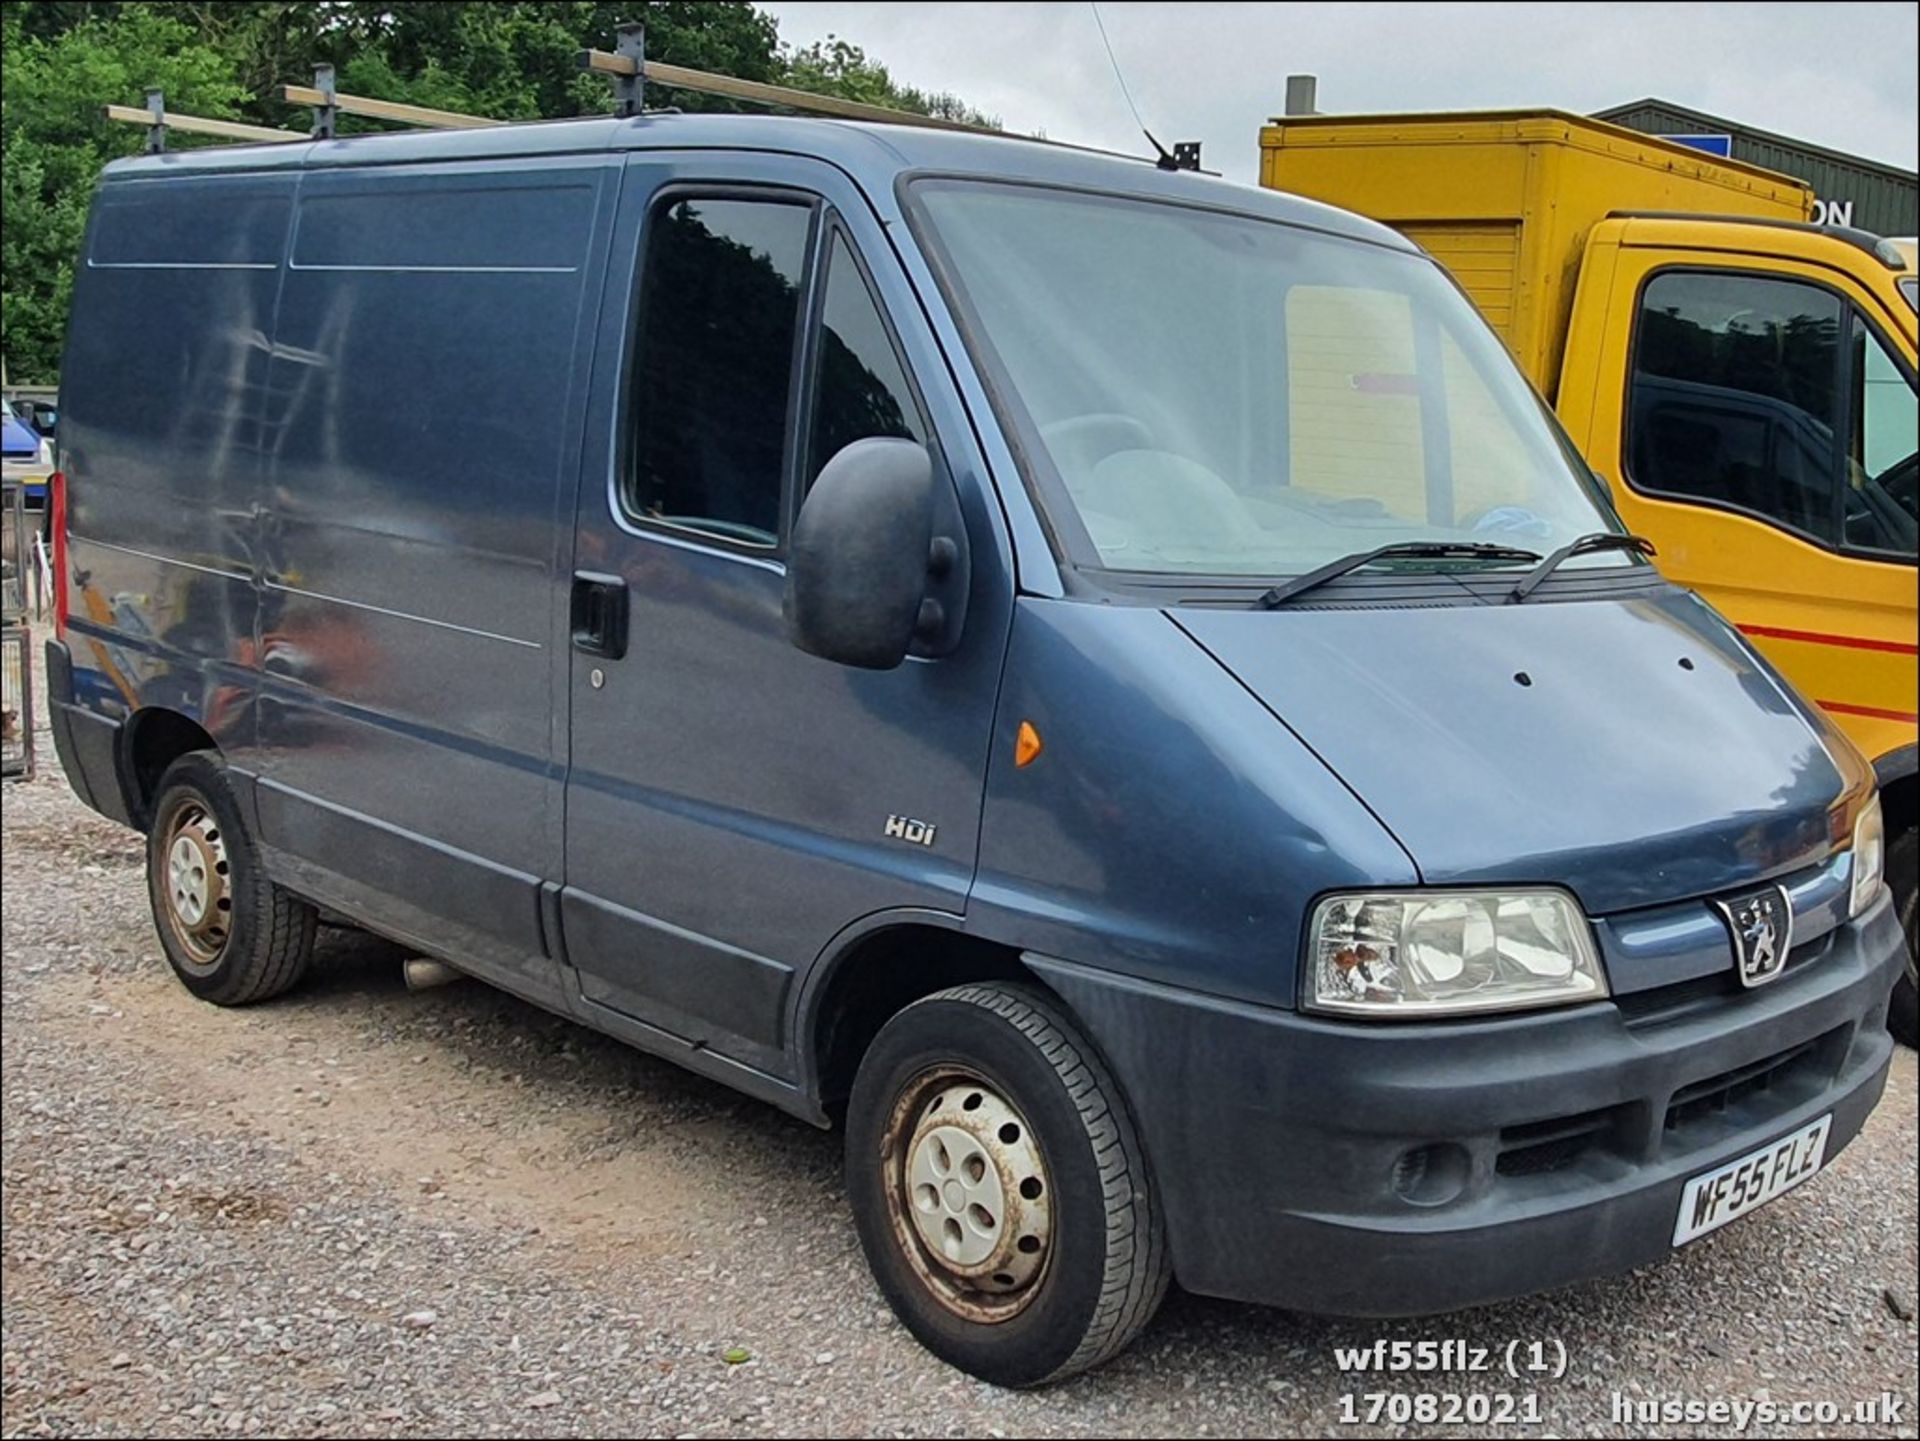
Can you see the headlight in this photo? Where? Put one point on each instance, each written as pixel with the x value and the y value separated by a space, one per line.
pixel 1869 858
pixel 1428 953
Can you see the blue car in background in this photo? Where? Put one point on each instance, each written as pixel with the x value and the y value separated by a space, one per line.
pixel 25 450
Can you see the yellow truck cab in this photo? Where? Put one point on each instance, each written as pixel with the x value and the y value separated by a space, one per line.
pixel 1742 379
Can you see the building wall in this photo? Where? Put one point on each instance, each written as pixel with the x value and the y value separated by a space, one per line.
pixel 1883 199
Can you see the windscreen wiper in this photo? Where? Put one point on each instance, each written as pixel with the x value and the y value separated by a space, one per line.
pixel 1586 545
pixel 1407 549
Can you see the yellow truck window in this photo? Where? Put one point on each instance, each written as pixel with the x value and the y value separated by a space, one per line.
pixel 1735 397
pixel 1880 500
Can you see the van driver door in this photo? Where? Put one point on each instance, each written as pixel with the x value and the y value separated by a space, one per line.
pixel 730 797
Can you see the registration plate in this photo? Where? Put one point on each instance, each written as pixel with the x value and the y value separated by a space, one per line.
pixel 1712 1200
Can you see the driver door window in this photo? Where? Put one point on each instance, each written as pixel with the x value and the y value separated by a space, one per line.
pixel 1735 399
pixel 1880 499
pixel 720 288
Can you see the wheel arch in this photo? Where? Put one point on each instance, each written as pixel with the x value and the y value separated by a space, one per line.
pixel 871 972
pixel 153 738
pixel 1898 773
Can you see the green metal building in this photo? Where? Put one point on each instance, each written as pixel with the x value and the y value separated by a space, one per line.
pixel 1864 193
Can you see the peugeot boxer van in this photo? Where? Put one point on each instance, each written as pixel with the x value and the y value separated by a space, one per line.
pixel 1102 682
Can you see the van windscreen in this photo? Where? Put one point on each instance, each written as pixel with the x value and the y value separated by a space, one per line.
pixel 1204 392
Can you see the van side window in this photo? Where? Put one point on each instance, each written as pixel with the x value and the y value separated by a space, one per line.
pixel 1880 500
pixel 861 390
pixel 1735 397
pixel 713 364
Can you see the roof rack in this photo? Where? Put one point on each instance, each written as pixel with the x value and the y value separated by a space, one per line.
pixel 626 66
pixel 159 120
pixel 329 104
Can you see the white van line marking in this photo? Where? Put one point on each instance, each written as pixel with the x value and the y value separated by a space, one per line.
pixel 403 615
pixel 446 269
pixel 93 264
pixel 161 559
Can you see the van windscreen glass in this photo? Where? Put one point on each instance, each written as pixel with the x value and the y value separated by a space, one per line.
pixel 713 365
pixel 1215 393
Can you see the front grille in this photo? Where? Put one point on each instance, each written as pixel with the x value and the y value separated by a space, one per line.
pixel 1551 1145
pixel 1660 1005
pixel 1715 1094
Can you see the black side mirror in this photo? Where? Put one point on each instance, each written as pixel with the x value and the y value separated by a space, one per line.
pixel 863 547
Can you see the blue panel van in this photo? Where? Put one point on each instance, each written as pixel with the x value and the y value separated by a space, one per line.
pixel 1101 682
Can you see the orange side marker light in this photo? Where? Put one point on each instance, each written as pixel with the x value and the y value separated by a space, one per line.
pixel 1026 745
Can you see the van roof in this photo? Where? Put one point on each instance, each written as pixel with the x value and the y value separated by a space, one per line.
pixel 874 154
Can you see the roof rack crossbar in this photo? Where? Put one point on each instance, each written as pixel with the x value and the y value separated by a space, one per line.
pixel 324 98
pixel 158 120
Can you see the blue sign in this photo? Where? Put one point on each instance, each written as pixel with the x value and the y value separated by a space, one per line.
pixel 1721 145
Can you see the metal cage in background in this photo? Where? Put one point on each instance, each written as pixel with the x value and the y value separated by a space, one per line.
pixel 17 585
pixel 16 725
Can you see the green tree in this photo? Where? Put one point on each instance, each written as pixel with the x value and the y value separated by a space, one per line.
pixel 839 67
pixel 56 140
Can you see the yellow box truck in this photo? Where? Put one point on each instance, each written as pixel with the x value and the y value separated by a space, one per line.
pixel 1742 379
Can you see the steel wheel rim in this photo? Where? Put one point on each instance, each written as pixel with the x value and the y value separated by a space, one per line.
pixel 969 1193
pixel 195 886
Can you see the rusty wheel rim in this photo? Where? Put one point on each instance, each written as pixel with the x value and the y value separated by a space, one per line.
pixel 969 1194
pixel 196 894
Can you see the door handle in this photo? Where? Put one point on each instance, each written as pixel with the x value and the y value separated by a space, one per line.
pixel 598 614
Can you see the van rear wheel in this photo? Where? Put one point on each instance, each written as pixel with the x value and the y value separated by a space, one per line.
pixel 1000 1188
pixel 231 935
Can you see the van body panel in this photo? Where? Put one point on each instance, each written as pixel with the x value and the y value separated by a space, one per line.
pixel 1477 735
pixel 167 443
pixel 818 757
pixel 1199 867
pixel 413 735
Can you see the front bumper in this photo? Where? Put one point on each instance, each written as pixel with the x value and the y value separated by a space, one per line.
pixel 1554 1147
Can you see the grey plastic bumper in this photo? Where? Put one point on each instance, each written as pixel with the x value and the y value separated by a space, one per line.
pixel 1278 1141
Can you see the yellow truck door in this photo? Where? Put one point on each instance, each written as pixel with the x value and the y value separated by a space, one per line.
pixel 1756 415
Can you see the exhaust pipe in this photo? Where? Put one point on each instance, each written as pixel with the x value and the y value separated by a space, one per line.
pixel 423 974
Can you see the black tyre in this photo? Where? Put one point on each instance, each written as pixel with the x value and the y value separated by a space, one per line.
pixel 231 935
pixel 1903 878
pixel 1000 1188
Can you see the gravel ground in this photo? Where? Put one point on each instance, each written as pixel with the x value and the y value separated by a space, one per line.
pixel 358 1211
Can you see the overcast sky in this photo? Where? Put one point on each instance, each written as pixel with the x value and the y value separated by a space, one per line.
pixel 1837 74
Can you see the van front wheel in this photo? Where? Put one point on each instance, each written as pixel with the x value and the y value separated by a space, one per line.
pixel 1000 1188
pixel 231 935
